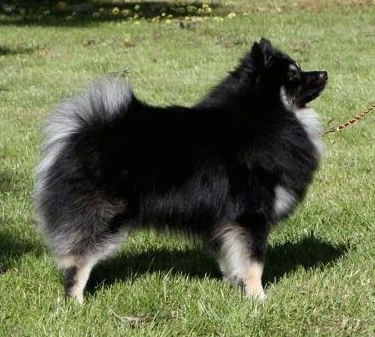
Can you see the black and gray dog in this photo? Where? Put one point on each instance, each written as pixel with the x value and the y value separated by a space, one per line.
pixel 225 170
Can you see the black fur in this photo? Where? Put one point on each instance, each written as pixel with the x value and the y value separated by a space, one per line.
pixel 201 170
pixel 70 274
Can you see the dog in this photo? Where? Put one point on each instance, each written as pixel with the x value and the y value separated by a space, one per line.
pixel 224 171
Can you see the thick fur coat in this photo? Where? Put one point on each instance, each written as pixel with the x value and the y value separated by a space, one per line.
pixel 225 170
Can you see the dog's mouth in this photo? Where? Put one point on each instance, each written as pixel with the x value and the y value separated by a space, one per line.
pixel 311 86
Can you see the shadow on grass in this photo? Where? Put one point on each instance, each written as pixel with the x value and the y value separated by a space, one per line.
pixel 82 13
pixel 191 262
pixel 11 51
pixel 13 245
pixel 9 183
pixel 14 240
pixel 309 253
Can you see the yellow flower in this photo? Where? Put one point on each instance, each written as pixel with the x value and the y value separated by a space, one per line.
pixel 168 21
pixel 231 15
pixel 125 12
pixel 61 6
pixel 182 10
pixel 115 11
pixel 207 10
pixel 191 9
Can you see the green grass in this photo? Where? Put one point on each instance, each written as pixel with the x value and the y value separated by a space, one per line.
pixel 320 273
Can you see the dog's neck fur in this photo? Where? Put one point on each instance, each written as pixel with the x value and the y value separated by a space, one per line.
pixel 309 120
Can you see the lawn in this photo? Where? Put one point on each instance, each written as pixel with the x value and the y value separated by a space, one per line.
pixel 320 271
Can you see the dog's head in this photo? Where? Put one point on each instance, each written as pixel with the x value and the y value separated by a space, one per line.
pixel 278 73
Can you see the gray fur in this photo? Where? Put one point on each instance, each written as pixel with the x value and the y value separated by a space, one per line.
pixel 106 98
pixel 108 94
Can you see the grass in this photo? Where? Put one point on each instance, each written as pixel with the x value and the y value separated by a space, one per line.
pixel 319 277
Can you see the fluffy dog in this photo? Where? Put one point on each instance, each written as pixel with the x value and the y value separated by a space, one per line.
pixel 225 170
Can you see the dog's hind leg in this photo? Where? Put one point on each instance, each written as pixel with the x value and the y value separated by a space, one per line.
pixel 76 267
pixel 77 261
pixel 81 237
pixel 76 272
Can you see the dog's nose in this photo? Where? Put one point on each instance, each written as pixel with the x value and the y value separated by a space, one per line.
pixel 323 75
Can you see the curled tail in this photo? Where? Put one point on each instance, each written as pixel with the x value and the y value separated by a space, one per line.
pixel 102 102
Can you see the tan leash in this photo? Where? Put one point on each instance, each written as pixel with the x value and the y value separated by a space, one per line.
pixel 350 121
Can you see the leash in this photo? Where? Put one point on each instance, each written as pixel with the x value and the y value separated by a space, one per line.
pixel 350 121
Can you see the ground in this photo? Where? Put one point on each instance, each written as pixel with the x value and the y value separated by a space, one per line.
pixel 319 275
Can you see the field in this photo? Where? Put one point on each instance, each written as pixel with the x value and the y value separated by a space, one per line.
pixel 320 271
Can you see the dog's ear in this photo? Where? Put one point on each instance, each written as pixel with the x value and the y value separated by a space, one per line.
pixel 261 53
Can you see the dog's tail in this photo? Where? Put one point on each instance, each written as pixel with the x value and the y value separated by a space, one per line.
pixel 106 100
pixel 101 102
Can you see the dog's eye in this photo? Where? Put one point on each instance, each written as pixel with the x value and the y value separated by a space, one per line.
pixel 293 75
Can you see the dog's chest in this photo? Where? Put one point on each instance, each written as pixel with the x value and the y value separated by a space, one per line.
pixel 310 122
pixel 285 195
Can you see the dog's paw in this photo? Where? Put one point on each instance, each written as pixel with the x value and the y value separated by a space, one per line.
pixel 255 293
